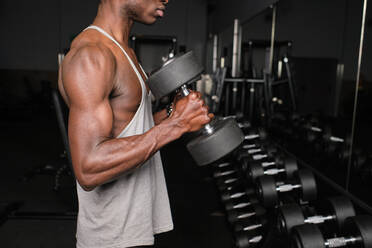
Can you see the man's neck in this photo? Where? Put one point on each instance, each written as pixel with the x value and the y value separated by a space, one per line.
pixel 111 18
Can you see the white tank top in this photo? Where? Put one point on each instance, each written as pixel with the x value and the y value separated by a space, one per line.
pixel 129 211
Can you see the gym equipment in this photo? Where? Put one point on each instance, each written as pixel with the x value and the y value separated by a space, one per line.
pixel 244 213
pixel 241 203
pixel 250 224
pixel 337 209
pixel 257 169
pixel 218 138
pixel 357 233
pixel 268 189
pixel 237 192
pixel 254 134
pixel 245 240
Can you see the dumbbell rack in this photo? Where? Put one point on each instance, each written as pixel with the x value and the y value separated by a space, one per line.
pixel 267 235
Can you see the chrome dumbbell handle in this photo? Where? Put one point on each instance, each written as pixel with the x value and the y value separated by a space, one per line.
pixel 259 156
pixel 267 164
pixel 273 171
pixel 252 227
pixel 318 219
pixel 287 187
pixel 340 242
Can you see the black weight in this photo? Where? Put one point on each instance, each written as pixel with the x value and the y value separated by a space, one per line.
pixel 255 170
pixel 307 236
pixel 341 208
pixel 308 185
pixel 289 216
pixel 180 70
pixel 360 227
pixel 290 166
pixel 267 192
pixel 208 148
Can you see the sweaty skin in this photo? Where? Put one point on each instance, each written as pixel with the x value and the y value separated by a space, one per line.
pixel 103 93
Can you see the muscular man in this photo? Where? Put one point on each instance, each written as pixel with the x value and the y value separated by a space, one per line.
pixel 114 137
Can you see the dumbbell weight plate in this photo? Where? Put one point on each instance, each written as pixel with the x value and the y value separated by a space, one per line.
pixel 290 166
pixel 341 208
pixel 208 148
pixel 307 236
pixel 290 215
pixel 359 226
pixel 255 170
pixel 267 192
pixel 307 181
pixel 180 70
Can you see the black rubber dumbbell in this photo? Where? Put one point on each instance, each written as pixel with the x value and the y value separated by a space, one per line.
pixel 304 186
pixel 249 239
pixel 357 233
pixel 237 192
pixel 242 202
pixel 254 223
pixel 288 166
pixel 335 211
pixel 236 215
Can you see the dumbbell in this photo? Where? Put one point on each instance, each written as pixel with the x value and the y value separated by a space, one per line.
pixel 243 202
pixel 357 233
pixel 256 134
pixel 287 165
pixel 236 215
pixel 250 224
pixel 247 239
pixel 268 188
pixel 218 138
pixel 249 151
pixel 337 209
pixel 237 192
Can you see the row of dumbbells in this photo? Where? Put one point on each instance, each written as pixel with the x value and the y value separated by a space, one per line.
pixel 253 181
pixel 318 135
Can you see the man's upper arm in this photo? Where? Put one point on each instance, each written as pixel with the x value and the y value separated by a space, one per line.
pixel 87 79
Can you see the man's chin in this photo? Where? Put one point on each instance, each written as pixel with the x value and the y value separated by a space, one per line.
pixel 148 22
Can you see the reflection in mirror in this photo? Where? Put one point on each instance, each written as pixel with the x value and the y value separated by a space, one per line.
pixel 360 165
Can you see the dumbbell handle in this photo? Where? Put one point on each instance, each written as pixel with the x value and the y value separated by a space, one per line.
pixel 223 165
pixel 273 171
pixel 237 195
pixel 267 164
pixel 252 227
pixel 340 242
pixel 246 215
pixel 185 92
pixel 251 136
pixel 287 187
pixel 319 219
pixel 242 205
pixel 336 139
pixel 256 239
pixel 316 129
pixel 249 146
pixel 259 156
pixel 225 173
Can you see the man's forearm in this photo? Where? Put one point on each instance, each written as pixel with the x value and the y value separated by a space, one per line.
pixel 114 157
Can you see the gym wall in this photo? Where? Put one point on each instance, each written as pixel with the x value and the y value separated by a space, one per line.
pixel 32 38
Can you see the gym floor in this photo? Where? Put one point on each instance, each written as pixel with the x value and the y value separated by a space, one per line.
pixel 32 142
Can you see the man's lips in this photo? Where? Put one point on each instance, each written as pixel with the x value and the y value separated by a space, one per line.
pixel 160 12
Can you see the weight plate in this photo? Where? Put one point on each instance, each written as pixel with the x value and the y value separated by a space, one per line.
pixel 255 170
pixel 307 236
pixel 307 181
pixel 359 227
pixel 290 166
pixel 267 191
pixel 208 148
pixel 182 69
pixel 289 216
pixel 341 208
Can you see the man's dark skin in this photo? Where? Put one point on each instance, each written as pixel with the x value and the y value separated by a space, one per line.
pixel 103 94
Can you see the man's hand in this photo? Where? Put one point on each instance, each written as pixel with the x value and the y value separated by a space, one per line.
pixel 191 112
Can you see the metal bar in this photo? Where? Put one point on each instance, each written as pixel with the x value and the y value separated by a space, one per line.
pixel 235 55
pixel 243 80
pixel 356 93
pixel 215 53
pixel 273 26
